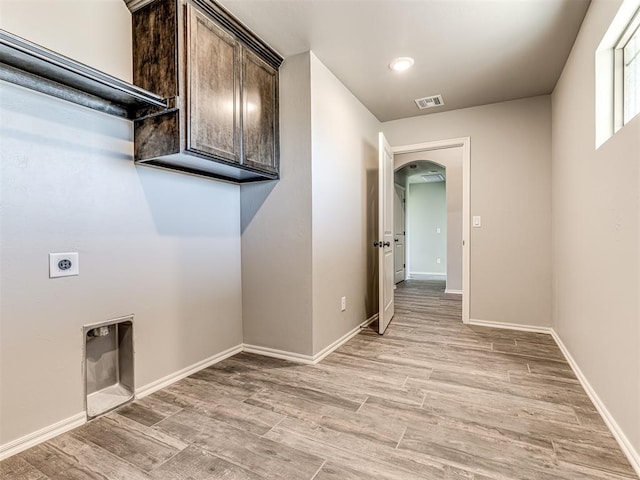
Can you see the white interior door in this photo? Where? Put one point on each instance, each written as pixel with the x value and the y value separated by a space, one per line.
pixel 385 234
pixel 399 235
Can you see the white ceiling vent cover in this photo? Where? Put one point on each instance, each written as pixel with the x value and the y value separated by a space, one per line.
pixel 429 102
pixel 433 177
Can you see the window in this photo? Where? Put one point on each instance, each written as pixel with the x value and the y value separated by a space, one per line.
pixel 617 73
pixel 629 56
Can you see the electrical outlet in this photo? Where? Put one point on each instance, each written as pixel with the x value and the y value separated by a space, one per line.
pixel 63 264
pixel 343 304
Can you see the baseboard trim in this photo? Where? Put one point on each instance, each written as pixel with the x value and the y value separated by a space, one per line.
pixel 344 339
pixel 425 275
pixel 46 433
pixel 281 354
pixel 309 359
pixel 510 326
pixel 185 372
pixel 453 292
pixel 42 435
pixel 626 446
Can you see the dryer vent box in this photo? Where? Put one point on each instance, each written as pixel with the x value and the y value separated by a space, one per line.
pixel 108 365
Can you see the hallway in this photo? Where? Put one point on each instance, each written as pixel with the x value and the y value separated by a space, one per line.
pixel 432 399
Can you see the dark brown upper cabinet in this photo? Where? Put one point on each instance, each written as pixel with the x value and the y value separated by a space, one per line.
pixel 221 83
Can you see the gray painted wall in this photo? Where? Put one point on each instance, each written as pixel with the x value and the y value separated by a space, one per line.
pixel 276 229
pixel 305 237
pixel 160 245
pixel 510 255
pixel 345 164
pixel 596 234
pixel 426 212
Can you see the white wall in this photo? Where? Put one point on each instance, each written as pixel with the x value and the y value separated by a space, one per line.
pixel 426 212
pixel 276 229
pixel 160 245
pixel 596 220
pixel 510 256
pixel 345 163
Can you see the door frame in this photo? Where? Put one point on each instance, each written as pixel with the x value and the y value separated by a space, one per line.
pixel 404 210
pixel 465 143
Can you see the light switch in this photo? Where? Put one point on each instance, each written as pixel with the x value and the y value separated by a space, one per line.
pixel 477 221
pixel 438 230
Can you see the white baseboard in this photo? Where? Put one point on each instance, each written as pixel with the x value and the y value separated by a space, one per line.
pixel 185 372
pixel 510 326
pixel 308 359
pixel 454 292
pixel 626 446
pixel 426 275
pixel 281 354
pixel 342 340
pixel 42 435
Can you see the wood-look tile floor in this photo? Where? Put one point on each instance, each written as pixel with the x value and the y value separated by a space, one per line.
pixel 431 399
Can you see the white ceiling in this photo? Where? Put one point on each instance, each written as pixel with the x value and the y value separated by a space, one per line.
pixel 473 52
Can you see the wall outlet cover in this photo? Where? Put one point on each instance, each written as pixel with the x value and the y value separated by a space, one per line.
pixel 64 264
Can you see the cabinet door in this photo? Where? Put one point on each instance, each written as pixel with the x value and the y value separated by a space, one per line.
pixel 260 146
pixel 213 75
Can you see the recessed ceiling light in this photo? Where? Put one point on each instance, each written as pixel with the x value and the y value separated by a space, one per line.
pixel 401 64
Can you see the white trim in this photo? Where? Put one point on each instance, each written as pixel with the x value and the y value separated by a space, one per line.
pixel 185 372
pixel 345 338
pixel 452 291
pixel 465 143
pixel 511 326
pixel 625 444
pixel 42 435
pixel 281 354
pixel 46 433
pixel 308 359
pixel 425 275
pixel 623 441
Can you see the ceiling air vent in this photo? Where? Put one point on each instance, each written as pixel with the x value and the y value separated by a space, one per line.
pixel 429 102
pixel 432 177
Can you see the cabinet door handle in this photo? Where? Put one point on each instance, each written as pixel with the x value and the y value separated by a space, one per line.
pixel 377 244
pixel 386 244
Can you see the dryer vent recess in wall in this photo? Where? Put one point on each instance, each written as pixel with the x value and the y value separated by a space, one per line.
pixel 429 102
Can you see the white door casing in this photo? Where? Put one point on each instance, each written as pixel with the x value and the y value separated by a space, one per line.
pixel 465 143
pixel 399 236
pixel 385 234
